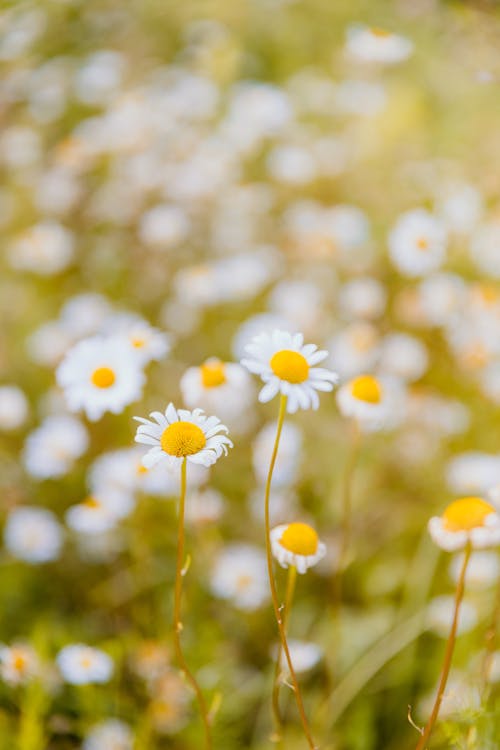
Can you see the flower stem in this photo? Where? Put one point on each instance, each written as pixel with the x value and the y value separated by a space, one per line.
pixel 179 574
pixel 272 584
pixel 450 645
pixel 290 589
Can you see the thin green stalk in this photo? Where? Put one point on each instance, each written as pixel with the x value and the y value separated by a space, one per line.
pixel 272 584
pixel 290 589
pixel 179 575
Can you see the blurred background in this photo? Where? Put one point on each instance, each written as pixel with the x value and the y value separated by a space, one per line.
pixel 216 169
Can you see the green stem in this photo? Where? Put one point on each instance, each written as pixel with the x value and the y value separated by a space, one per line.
pixel 450 645
pixel 179 574
pixel 290 589
pixel 272 584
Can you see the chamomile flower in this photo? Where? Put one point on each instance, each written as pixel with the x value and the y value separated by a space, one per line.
pixel 33 535
pixel 305 655
pixel 80 664
pixel 468 520
pixel 99 513
pixel 287 366
pixel 376 45
pixel 374 403
pixel 417 243
pixel 110 734
pixel 13 407
pixel 178 434
pixel 18 663
pixel 240 575
pixel 222 387
pixel 100 374
pixel 296 544
pixel 52 448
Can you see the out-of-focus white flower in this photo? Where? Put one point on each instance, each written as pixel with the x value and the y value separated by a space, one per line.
pixel 52 448
pixel 473 472
pixel 19 147
pixel 301 303
pixel 438 415
pixel 100 512
pixel 288 366
pixel 57 191
pixel 417 243
pixel 297 545
pixel 375 45
pixel 179 434
pixel 164 226
pixel 282 504
pixel 360 98
pixel 484 248
pixel 147 343
pixel 482 570
pixel 469 520
pixel 240 575
pixel 305 656
pixel 80 664
pixel 100 374
pixel 224 388
pixel 461 208
pixel 18 663
pixel 440 616
pixel 256 111
pixel 375 403
pixel 460 697
pixel 363 297
pixel 441 296
pixel 403 356
pixel 33 535
pixel 100 77
pixel 288 458
pixel 204 506
pixel 48 344
pixel 355 349
pixel 13 407
pixel 110 734
pixel 46 248
pixel 84 314
pixel 293 165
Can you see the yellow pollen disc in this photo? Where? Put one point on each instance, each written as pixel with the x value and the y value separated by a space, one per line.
pixel 488 293
pixel 92 502
pixel 183 439
pixel 103 377
pixel 422 243
pixel 290 366
pixel 366 388
pixel 376 31
pixel 138 343
pixel 141 469
pixel 300 538
pixel 212 373
pixel 19 662
pixel 86 662
pixel 243 582
pixel 466 514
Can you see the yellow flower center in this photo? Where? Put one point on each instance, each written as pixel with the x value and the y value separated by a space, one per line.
pixel 377 31
pixel 140 469
pixel 103 377
pixel 243 582
pixel 466 513
pixel 19 661
pixel 300 538
pixel 92 502
pixel 137 342
pixel 366 388
pixel 212 373
pixel 422 243
pixel 86 662
pixel 290 366
pixel 183 439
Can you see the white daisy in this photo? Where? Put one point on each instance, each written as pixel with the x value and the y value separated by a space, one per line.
pixel 80 664
pixel 148 343
pixel 46 248
pixel 180 434
pixel 99 375
pixel 288 458
pixel 99 513
pixel 13 407
pixel 373 44
pixel 52 448
pixel 33 535
pixel 417 243
pixel 287 366
pixel 305 655
pixel 110 734
pixel 240 575
pixel 469 520
pixel 225 388
pixel 18 663
pixel 375 403
pixel 296 544
pixel 439 616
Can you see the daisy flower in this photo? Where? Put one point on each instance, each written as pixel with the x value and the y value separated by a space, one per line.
pixel 110 734
pixel 33 535
pixel 18 663
pixel 466 521
pixel 296 544
pixel 221 387
pixel 373 44
pixel 51 450
pixel 13 407
pixel 180 434
pixel 287 366
pixel 305 655
pixel 239 575
pixel 417 243
pixel 100 374
pixel 374 403
pixel 80 664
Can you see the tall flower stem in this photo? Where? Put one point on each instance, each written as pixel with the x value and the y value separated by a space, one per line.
pixel 272 584
pixel 450 645
pixel 290 589
pixel 179 575
pixel 346 512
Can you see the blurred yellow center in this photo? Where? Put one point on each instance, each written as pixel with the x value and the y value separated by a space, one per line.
pixel 141 469
pixel 422 243
pixel 300 538
pixel 103 377
pixel 243 582
pixel 19 661
pixel 138 342
pixel 213 373
pixel 466 514
pixel 183 439
pixel 290 366
pixel 366 388
pixel 376 31
pixel 92 502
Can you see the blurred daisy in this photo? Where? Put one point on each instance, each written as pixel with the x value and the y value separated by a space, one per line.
pixel 403 356
pixel 46 249
pixel 99 375
pixel 440 611
pixel 482 571
pixel 297 545
pixel 355 349
pixel 469 520
pixel 52 448
pixel 180 434
pixel 33 535
pixel 225 388
pixel 288 458
pixel 417 243
pixel 287 366
pixel 363 297
pixel 240 575
pixel 473 472
pixel 18 663
pixel 13 407
pixel 110 734
pixel 305 655
pixel 98 514
pixel 374 403
pixel 80 664
pixel 376 45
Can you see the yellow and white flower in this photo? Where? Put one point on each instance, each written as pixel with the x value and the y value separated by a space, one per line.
pixel 52 448
pixel 240 575
pixel 417 243
pixel 110 734
pixel 100 374
pixel 18 663
pixel 180 434
pixel 33 535
pixel 373 44
pixel 80 664
pixel 375 403
pixel 296 544
pixel 468 520
pixel 147 343
pixel 225 388
pixel 288 366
